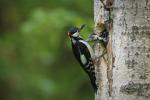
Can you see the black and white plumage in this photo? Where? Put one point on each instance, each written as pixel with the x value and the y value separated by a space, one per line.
pixel 83 53
pixel 102 37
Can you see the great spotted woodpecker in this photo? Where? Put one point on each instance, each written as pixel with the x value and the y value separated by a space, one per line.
pixel 83 53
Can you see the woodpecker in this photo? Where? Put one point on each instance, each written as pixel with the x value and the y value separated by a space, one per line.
pixel 102 35
pixel 83 53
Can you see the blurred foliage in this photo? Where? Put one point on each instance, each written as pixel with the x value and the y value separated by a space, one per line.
pixel 36 61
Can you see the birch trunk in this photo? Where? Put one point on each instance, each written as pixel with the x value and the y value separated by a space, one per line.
pixel 131 51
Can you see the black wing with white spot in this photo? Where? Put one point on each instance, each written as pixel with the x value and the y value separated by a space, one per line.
pixel 84 54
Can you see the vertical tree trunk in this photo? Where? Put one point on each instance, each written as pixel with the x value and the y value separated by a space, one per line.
pixel 131 51
pixel 103 70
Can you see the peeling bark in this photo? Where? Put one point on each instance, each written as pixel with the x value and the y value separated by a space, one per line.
pixel 100 67
pixel 103 63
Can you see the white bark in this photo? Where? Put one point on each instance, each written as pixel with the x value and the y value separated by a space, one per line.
pixel 131 48
pixel 131 51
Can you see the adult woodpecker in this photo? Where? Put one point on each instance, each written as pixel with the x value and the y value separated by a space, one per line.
pixel 83 53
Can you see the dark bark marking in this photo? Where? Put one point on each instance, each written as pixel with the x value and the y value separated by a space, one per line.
pixel 137 54
pixel 144 77
pixel 148 55
pixel 131 63
pixel 137 89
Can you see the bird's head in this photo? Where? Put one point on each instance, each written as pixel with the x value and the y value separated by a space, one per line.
pixel 75 31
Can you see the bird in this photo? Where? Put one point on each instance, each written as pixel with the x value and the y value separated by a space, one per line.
pixel 83 53
pixel 102 35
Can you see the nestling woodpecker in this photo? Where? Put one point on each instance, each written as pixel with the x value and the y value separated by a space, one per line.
pixel 83 53
pixel 102 35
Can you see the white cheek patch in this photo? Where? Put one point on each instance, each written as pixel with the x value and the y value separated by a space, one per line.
pixel 76 34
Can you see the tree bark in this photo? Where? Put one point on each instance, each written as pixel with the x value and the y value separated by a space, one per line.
pixel 128 76
pixel 103 69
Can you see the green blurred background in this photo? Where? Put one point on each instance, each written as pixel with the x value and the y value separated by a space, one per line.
pixel 36 61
